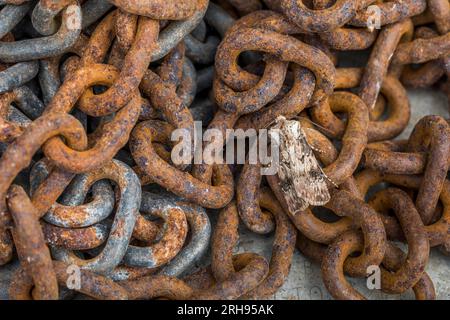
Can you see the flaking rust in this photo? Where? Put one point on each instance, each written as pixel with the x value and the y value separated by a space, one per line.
pixel 302 179
pixel 71 203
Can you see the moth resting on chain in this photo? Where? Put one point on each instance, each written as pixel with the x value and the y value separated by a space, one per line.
pixel 302 180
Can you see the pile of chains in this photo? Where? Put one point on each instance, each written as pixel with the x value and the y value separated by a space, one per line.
pixel 92 90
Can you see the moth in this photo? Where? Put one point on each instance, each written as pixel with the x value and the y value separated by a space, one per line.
pixel 302 179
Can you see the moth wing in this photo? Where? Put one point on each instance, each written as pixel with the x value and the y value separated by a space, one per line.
pixel 291 172
pixel 310 182
pixel 296 204
pixel 301 177
pixel 293 201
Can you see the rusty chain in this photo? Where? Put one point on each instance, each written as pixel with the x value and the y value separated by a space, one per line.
pixel 91 93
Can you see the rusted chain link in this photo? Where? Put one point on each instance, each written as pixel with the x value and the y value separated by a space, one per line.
pixel 94 94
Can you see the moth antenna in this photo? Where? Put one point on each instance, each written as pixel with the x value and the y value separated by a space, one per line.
pixel 331 181
pixel 276 120
pixel 270 124
pixel 314 148
pixel 316 125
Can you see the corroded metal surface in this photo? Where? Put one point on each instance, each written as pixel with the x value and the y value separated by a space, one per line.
pixel 95 202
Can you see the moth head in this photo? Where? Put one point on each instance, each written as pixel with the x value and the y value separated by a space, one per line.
pixel 280 120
